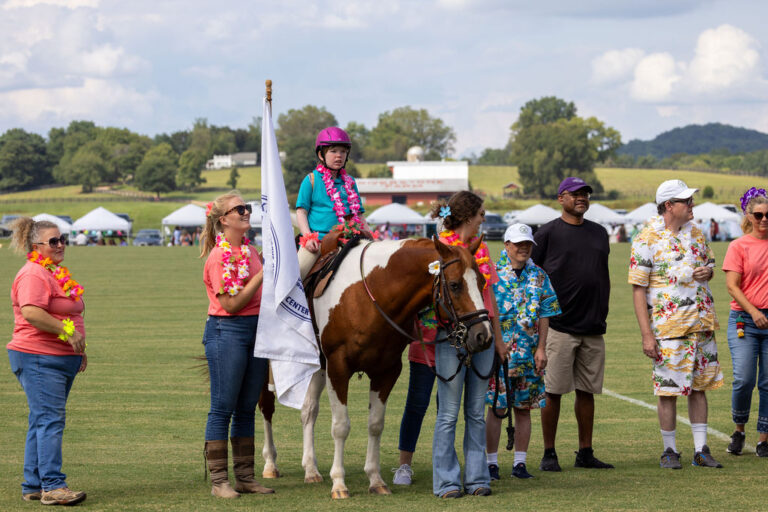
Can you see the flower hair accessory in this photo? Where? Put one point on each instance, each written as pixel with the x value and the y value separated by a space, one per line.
pixel 434 268
pixel 445 211
pixel 208 208
pixel 749 195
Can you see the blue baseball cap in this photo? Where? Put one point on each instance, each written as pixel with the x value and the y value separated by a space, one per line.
pixel 572 184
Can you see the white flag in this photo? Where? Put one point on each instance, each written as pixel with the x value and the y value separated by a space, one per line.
pixel 285 334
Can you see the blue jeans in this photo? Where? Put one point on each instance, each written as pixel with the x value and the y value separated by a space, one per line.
pixel 420 385
pixel 46 381
pixel 748 353
pixel 446 472
pixel 236 376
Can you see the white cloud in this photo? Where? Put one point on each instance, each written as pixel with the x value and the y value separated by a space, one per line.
pixel 655 75
pixel 725 56
pixel 69 4
pixel 93 99
pixel 615 65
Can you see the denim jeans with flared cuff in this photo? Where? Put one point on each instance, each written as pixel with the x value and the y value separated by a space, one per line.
pixel 750 367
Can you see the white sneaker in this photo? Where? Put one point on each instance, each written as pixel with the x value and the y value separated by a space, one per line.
pixel 403 475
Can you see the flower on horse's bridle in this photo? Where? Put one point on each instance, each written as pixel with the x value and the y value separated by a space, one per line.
pixel 434 268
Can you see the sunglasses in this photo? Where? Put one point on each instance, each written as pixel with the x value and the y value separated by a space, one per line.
pixel 688 201
pixel 241 209
pixel 759 216
pixel 53 242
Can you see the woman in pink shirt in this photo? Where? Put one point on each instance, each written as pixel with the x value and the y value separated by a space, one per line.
pixel 232 276
pixel 746 276
pixel 46 351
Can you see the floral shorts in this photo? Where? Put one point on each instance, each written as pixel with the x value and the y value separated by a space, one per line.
pixel 528 392
pixel 686 364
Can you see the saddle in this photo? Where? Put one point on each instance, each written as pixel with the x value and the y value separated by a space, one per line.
pixel 332 253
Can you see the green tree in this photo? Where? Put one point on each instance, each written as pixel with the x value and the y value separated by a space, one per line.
pixel 125 158
pixel 234 175
pixel 547 148
pixel 157 171
pixel 88 166
pixel 191 164
pixel 200 138
pixel 63 144
pixel 359 134
pixel 396 131
pixel 223 143
pixel 23 160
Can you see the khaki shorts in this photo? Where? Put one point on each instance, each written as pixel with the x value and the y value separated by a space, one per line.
pixel 574 362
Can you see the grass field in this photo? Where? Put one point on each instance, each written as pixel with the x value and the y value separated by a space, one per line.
pixel 136 418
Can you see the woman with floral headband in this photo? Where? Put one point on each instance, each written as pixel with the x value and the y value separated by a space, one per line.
pixel 747 281
pixel 233 277
pixel 46 351
pixel 462 217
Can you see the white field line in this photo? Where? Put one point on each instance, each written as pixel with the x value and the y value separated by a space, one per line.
pixel 680 419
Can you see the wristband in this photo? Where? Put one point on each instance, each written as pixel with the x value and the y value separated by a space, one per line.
pixel 304 239
pixel 69 329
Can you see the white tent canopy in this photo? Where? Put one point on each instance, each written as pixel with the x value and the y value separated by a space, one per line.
pixel 395 214
pixel 64 226
pixel 641 214
pixel 187 216
pixel 603 215
pixel 707 211
pixel 100 219
pixel 537 215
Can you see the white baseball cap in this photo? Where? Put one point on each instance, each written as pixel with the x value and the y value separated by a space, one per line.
pixel 519 233
pixel 673 189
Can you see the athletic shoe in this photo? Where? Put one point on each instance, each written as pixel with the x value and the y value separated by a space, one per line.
pixel 493 469
pixel 453 493
pixel 737 443
pixel 62 496
pixel 704 458
pixel 585 458
pixel 762 449
pixel 549 461
pixel 482 491
pixel 520 471
pixel 32 496
pixel 403 475
pixel 670 459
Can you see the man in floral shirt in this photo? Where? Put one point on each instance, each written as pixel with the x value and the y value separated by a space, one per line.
pixel 670 267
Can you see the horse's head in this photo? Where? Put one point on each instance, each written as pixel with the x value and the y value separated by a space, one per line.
pixel 459 295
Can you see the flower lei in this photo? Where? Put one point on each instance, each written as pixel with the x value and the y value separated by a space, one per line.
pixel 482 257
pixel 71 288
pixel 236 270
pixel 749 195
pixel 349 186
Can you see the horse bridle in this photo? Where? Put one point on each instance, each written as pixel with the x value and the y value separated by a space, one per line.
pixel 456 326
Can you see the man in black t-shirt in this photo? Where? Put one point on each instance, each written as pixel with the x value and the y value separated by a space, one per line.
pixel 574 251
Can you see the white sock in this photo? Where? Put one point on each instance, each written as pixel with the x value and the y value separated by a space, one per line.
pixel 699 435
pixel 519 457
pixel 668 436
pixel 492 458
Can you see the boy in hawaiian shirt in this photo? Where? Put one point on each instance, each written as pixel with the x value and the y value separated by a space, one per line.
pixel 669 270
pixel 526 300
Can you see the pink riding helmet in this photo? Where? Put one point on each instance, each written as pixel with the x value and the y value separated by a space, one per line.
pixel 332 136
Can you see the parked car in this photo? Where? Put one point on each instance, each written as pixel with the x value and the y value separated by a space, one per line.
pixel 148 237
pixel 7 219
pixel 66 218
pixel 494 227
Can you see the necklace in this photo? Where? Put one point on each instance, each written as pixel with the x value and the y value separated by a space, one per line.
pixel 236 270
pixel 349 186
pixel 482 257
pixel 71 288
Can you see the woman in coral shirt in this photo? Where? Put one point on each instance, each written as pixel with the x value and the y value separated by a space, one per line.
pixel 46 352
pixel 233 277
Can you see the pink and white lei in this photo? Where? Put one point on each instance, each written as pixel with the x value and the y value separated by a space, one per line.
pixel 235 270
pixel 349 186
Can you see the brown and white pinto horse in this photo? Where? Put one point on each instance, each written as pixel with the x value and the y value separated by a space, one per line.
pixel 355 336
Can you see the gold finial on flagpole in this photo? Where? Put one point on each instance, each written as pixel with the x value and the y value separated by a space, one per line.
pixel 269 91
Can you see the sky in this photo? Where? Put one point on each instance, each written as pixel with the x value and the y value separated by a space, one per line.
pixel 155 66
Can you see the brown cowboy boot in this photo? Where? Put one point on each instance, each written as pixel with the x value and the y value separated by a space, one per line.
pixel 216 456
pixel 242 461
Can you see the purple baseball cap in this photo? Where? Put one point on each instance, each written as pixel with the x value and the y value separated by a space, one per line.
pixel 572 184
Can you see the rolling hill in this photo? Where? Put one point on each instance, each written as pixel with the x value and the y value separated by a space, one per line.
pixel 696 139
